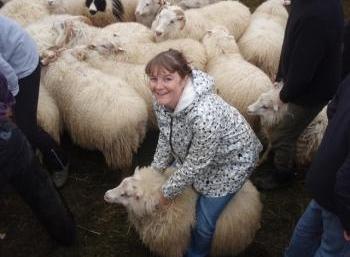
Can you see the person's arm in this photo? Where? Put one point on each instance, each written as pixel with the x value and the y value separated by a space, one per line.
pixel 308 51
pixel 162 158
pixel 203 148
pixel 9 73
pixel 342 193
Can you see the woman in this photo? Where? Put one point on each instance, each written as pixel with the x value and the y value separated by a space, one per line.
pixel 19 62
pixel 208 141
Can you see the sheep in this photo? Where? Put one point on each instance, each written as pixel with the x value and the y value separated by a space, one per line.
pixel 25 12
pixel 270 110
pixel 48 32
pixel 130 32
pixel 166 231
pixel 146 10
pixel 48 115
pixel 101 57
pixel 173 22
pixel 95 107
pixel 237 81
pixel 101 12
pixel 261 43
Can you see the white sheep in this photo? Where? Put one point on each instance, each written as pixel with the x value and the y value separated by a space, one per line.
pixel 50 32
pixel 102 57
pixel 270 110
pixel 166 231
pixel 142 53
pixel 146 10
pixel 24 11
pixel 261 43
pixel 173 22
pixel 130 32
pixel 237 81
pixel 48 115
pixel 99 111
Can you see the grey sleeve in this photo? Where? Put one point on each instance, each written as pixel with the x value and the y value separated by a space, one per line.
pixel 10 75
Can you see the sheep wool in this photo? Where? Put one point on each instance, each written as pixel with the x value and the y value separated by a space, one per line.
pixel 166 231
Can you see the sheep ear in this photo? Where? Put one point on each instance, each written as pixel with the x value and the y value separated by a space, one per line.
pixel 137 170
pixel 275 107
pixel 91 47
pixel 120 49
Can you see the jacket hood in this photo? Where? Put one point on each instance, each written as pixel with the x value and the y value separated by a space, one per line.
pixel 203 83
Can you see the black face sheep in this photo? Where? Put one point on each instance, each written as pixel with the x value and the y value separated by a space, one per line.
pixel 166 231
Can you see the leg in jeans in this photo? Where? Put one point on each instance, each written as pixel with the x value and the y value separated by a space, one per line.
pixel 333 242
pixel 25 115
pixel 22 171
pixel 208 210
pixel 307 233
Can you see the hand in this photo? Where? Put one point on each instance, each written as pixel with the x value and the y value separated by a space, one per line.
pixel 163 201
pixel 346 236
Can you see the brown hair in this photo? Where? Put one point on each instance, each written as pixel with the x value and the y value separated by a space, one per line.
pixel 170 60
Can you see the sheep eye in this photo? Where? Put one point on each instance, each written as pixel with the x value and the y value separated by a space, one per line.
pixel 172 21
pixel 147 4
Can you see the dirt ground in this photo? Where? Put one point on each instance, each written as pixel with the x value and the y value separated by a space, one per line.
pixel 103 230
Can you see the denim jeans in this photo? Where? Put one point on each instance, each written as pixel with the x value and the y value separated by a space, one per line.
pixel 318 233
pixel 208 210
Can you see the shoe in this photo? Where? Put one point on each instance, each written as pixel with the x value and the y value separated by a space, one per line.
pixel 59 177
pixel 274 180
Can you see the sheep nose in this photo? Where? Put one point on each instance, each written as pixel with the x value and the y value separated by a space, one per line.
pixel 107 197
pixel 159 33
pixel 137 13
pixel 92 12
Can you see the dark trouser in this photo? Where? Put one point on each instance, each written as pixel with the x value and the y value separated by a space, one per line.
pixel 19 168
pixel 25 115
pixel 285 135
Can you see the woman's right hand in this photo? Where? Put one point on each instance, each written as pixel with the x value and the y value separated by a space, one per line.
pixel 346 236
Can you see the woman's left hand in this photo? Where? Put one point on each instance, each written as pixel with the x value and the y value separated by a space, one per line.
pixel 163 201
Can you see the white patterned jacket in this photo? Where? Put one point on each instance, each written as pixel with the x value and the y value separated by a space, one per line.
pixel 213 146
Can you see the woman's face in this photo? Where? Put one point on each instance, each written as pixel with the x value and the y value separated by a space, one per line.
pixel 167 87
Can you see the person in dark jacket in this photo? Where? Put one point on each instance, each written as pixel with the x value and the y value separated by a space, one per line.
pixel 310 68
pixel 19 63
pixel 346 50
pixel 324 228
pixel 20 169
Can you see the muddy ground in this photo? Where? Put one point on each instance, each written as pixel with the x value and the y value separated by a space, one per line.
pixel 103 230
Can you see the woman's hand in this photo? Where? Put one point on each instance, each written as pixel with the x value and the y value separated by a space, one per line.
pixel 163 201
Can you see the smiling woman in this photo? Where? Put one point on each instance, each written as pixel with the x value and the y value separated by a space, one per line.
pixel 209 143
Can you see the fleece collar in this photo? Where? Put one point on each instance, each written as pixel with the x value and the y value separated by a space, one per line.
pixel 187 96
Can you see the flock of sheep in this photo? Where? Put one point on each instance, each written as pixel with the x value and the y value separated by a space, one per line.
pixel 93 86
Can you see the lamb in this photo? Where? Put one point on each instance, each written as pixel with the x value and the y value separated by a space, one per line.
pixel 173 22
pixel 261 43
pixel 101 57
pixel 95 107
pixel 166 231
pixel 48 115
pixel 25 12
pixel 237 81
pixel 270 110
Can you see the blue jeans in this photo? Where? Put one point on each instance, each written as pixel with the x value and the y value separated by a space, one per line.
pixel 208 210
pixel 318 233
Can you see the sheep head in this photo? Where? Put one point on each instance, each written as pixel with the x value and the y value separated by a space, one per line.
pixel 148 7
pixel 218 41
pixel 169 20
pixel 140 193
pixel 269 107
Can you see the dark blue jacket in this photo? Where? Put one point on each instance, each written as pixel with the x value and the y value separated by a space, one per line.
pixel 310 64
pixel 328 178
